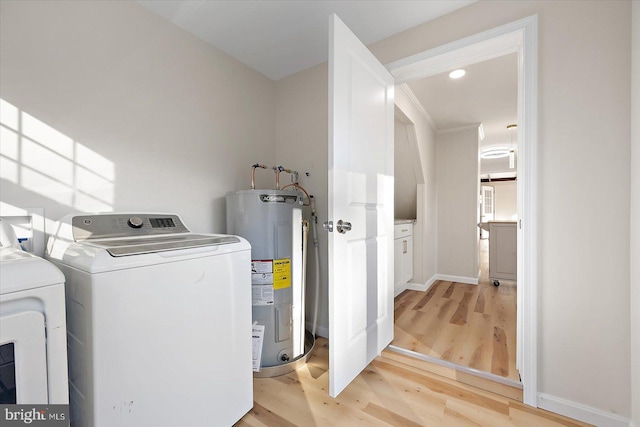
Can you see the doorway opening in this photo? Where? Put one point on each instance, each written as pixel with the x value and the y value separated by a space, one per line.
pixel 462 319
pixel 519 38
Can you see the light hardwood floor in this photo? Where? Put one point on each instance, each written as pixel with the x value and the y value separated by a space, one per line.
pixel 387 393
pixel 469 325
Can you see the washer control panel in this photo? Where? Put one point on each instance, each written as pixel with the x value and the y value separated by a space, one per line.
pixel 102 226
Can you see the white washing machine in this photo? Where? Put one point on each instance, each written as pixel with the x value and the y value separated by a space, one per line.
pixel 33 345
pixel 159 321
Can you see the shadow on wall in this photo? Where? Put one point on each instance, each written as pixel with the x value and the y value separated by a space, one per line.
pixel 42 160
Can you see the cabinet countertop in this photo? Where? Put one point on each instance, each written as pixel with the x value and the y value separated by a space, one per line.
pixel 404 221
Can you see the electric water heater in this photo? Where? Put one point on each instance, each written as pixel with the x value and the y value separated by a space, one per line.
pixel 271 220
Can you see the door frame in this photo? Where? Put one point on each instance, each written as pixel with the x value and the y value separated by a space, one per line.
pixel 520 37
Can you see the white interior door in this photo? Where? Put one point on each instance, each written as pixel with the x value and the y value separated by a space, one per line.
pixel 360 193
pixel 488 204
pixel 487 209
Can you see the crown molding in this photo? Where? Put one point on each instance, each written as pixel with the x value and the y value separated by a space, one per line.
pixel 416 102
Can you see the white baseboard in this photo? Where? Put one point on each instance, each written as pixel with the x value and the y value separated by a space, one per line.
pixel 581 412
pixel 431 281
pixel 397 291
pixel 414 286
pixel 459 279
pixel 417 286
pixel 420 286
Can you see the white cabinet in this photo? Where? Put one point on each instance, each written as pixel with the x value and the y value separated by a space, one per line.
pixel 403 252
pixel 502 251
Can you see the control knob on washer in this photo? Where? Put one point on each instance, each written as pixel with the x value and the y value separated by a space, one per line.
pixel 135 222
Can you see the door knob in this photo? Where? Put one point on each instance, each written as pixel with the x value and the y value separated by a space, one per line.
pixel 343 226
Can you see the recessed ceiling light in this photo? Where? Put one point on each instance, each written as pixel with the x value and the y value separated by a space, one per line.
pixel 456 74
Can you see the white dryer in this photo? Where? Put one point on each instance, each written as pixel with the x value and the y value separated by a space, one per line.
pixel 33 345
pixel 159 321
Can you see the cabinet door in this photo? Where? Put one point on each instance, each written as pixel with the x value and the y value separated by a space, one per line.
pixel 502 251
pixel 407 258
pixel 398 261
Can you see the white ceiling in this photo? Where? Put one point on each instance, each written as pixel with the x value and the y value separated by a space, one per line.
pixel 279 38
pixel 487 94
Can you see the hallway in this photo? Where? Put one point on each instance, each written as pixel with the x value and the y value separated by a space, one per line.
pixel 469 325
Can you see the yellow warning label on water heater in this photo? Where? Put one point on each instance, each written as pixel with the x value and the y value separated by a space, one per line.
pixel 281 273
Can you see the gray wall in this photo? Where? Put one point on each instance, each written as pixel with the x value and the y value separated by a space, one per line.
pixel 129 113
pixel 506 200
pixel 405 183
pixel 458 216
pixel 635 218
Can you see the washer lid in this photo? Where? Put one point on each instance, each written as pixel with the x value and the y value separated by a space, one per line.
pixel 125 247
pixel 21 270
